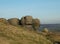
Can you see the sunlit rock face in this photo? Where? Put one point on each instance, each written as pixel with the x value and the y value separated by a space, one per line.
pixel 26 21
pixel 14 21
pixel 30 22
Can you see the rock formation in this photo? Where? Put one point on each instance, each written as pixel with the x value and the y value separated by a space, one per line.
pixel 30 23
pixel 14 21
pixel 27 21
pixel 3 20
pixel 36 24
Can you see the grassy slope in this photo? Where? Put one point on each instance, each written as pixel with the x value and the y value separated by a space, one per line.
pixel 54 37
pixel 13 35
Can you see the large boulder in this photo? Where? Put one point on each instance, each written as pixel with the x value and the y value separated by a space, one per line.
pixel 36 24
pixel 45 30
pixel 14 21
pixel 27 20
pixel 3 20
pixel 30 23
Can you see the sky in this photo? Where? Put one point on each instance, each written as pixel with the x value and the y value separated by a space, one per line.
pixel 48 11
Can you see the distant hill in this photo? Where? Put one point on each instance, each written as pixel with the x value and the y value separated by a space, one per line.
pixel 51 27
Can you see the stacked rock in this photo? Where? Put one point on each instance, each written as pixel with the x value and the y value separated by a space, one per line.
pixel 30 23
pixel 26 21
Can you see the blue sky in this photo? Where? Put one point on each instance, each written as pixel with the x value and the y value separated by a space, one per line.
pixel 48 11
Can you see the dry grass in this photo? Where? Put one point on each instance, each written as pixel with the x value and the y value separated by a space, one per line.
pixel 17 35
pixel 54 37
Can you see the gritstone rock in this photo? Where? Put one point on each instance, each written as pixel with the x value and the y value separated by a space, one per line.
pixel 27 20
pixel 14 21
pixel 3 20
pixel 36 24
pixel 30 23
pixel 45 30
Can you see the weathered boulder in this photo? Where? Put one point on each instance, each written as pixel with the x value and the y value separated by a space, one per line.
pixel 14 21
pixel 36 24
pixel 30 23
pixel 3 20
pixel 27 20
pixel 45 30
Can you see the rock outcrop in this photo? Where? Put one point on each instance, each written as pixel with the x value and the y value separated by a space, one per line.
pixel 14 21
pixel 27 21
pixel 30 23
pixel 36 24
pixel 3 20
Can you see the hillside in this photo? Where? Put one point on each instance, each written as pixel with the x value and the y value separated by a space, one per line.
pixel 18 35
